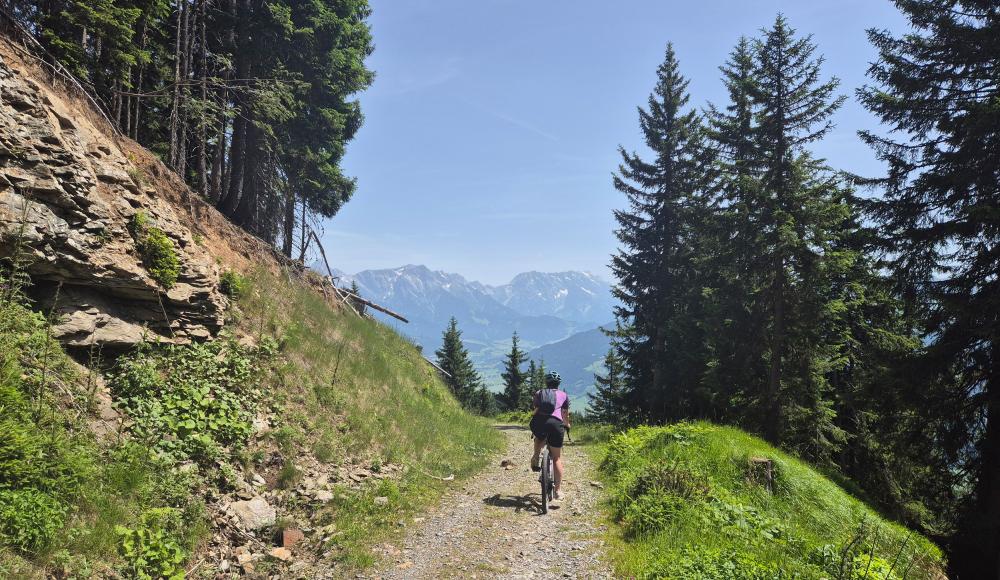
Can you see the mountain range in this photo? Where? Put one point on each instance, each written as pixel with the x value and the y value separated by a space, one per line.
pixel 548 311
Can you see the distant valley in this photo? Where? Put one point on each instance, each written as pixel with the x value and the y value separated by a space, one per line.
pixel 556 315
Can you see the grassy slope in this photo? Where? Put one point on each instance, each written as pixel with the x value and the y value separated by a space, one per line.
pixel 687 508
pixel 353 388
pixel 346 391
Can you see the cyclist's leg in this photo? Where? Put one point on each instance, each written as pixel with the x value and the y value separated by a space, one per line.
pixel 556 432
pixel 557 466
pixel 537 426
pixel 535 459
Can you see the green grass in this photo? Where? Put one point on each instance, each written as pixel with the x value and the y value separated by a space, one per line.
pixel 351 389
pixel 340 389
pixel 62 492
pixel 688 504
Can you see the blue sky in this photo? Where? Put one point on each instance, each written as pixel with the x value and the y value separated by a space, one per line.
pixel 491 129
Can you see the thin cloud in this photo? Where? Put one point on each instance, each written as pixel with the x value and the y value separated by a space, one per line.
pixel 520 123
pixel 421 80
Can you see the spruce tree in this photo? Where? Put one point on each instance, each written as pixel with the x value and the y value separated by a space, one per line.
pixel 249 102
pixel 656 263
pixel 535 380
pixel 794 210
pixel 937 89
pixel 514 379
pixel 732 317
pixel 607 402
pixel 453 357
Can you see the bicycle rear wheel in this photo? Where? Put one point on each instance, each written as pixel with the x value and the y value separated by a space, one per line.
pixel 545 480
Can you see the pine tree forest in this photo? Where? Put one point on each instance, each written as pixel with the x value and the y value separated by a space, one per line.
pixel 250 101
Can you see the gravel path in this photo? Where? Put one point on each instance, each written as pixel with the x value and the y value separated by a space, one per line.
pixel 493 528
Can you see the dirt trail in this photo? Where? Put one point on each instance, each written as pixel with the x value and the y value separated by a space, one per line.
pixel 492 526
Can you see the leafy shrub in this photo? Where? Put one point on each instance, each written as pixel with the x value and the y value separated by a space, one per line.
pixel 40 466
pixel 188 401
pixel 152 549
pixel 233 285
pixel 650 513
pixel 746 521
pixel 673 479
pixel 29 519
pixel 868 567
pixel 713 564
pixel 157 251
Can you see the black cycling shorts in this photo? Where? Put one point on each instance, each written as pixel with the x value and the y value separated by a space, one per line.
pixel 549 428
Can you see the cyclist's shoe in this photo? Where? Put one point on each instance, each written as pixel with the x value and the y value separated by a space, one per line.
pixel 536 463
pixel 558 495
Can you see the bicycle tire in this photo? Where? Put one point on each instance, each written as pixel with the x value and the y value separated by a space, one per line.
pixel 544 479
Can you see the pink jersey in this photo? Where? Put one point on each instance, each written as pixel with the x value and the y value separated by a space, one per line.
pixel 562 402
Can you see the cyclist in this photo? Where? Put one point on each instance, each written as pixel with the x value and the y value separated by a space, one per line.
pixel 549 424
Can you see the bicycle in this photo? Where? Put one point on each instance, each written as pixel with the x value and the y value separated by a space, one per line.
pixel 546 476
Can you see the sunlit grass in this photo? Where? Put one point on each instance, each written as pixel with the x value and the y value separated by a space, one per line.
pixel 714 516
pixel 355 390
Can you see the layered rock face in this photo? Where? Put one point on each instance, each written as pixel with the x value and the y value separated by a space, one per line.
pixel 67 197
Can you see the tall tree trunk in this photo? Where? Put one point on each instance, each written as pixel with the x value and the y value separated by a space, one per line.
pixel 175 106
pixel 219 155
pixel 203 123
pixel 773 420
pixel 289 228
pixel 242 125
pixel 138 84
pixel 246 208
pixel 989 479
pixel 303 235
pixel 237 157
pixel 185 93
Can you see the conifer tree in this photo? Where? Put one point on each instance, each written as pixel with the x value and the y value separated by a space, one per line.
pixel 732 318
pixel 656 264
pixel 607 402
pixel 937 88
pixel 514 379
pixel 453 357
pixel 249 102
pixel 796 215
pixel 535 380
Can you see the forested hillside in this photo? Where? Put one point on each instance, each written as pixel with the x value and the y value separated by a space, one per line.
pixel 851 320
pixel 248 101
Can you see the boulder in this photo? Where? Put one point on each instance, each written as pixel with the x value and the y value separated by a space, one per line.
pixel 254 514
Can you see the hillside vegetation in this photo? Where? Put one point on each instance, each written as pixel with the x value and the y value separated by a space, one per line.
pixel 694 501
pixel 333 420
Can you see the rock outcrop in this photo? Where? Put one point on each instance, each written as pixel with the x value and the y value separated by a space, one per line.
pixel 68 194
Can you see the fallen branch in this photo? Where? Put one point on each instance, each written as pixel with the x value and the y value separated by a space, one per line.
pixel 373 306
pixel 440 370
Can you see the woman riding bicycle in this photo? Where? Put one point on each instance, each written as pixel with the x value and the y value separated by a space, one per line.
pixel 549 424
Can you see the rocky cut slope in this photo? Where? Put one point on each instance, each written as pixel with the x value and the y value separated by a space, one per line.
pixel 71 199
